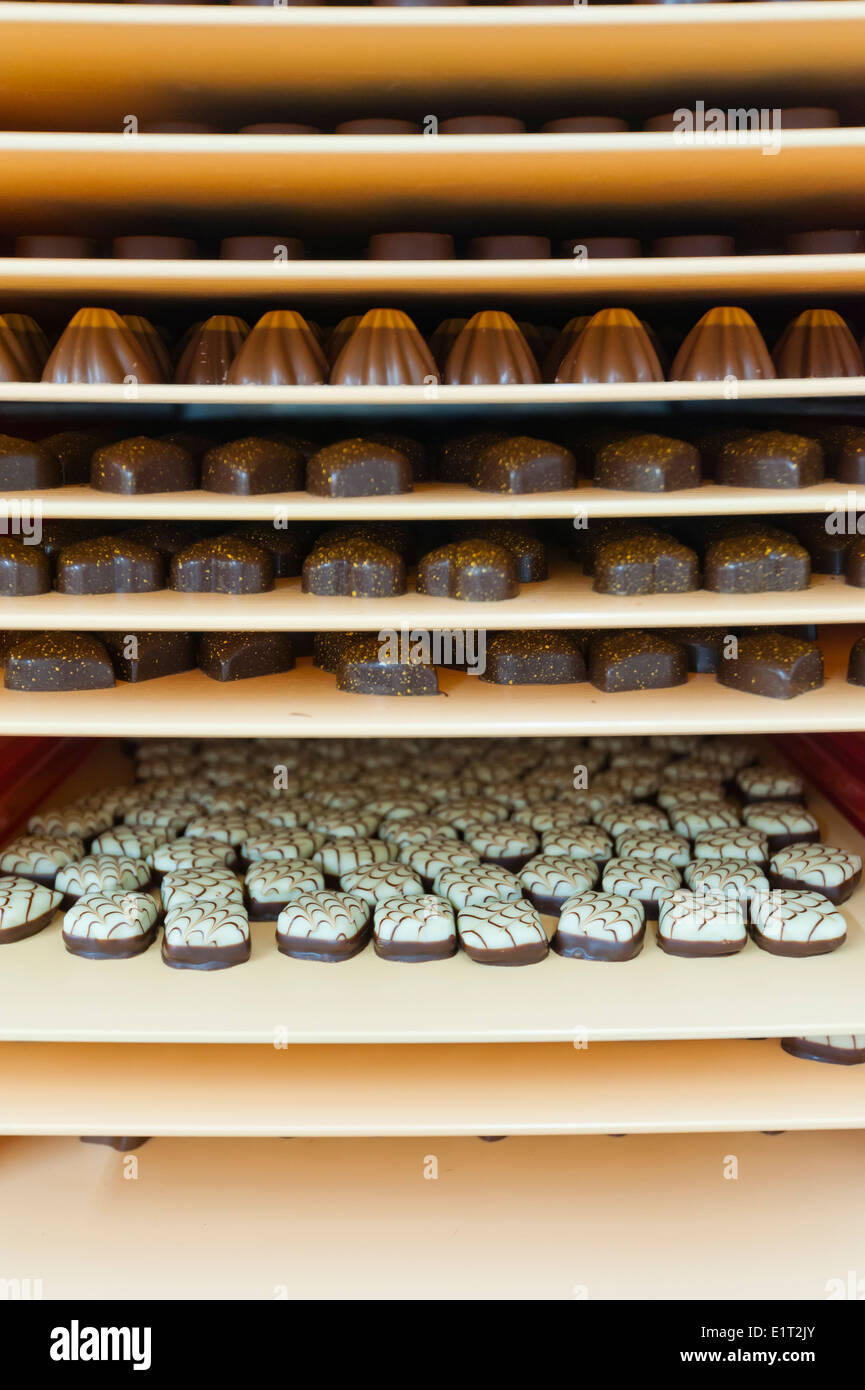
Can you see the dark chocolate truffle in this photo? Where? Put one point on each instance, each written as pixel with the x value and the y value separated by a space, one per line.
pixel 358 468
pixel 614 346
pixel 757 562
pixel 154 248
pixel 411 246
pixel 366 666
pixel 109 565
pixel 817 343
pixel 143 656
pixel 773 665
pixel 844 448
pixel 73 450
pixel 702 646
pixel 529 553
pixel 856 563
pixel 281 350
pixel 491 351
pixel 286 548
pixel 261 248
pixel 474 571
pixel 413 449
pixel 647 463
pixel 645 565
pixel 96 346
pixel 701 244
pixel 357 568
pixel 771 458
pixel 25 465
pixel 385 349
pixel 482 125
pixel 143 465
pixel 208 355
pixel 635 661
pixel 523 464
pixel 828 550
pixel 252 466
pixel 725 342
pixel 24 569
pixel 237 656
pixel 57 661
pixel 533 658
pixel 509 248
pixel 856 663
pixel 222 565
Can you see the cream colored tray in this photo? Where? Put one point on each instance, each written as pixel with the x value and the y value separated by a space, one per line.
pixel 98 60
pixel 552 1218
pixel 163 178
pixel 566 600
pixel 305 703
pixel 47 995
pixel 436 501
pixel 548 1088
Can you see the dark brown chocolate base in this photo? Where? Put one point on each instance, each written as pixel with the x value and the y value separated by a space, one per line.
pixel 590 948
pixel 205 957
pixel 44 880
pixel 512 862
pixel 697 950
pixel 796 950
pixel 91 948
pixel 264 912
pixel 415 952
pixel 776 842
pixel 823 1052
pixel 31 928
pixel 529 954
pixel 545 903
pixel 299 947
pixel 835 894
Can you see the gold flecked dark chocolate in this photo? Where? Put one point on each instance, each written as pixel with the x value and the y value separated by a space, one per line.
pixel 26 465
pixel 532 658
pixel 251 466
pixel 757 562
pixel 109 565
pixel 353 567
pixel 24 569
pixel 222 565
pixel 771 458
pixel 57 661
pixel 364 667
pixel 774 665
pixel 522 464
pixel 635 661
pixel 155 654
pixel 143 465
pixel 474 571
pixel 645 565
pixel 647 463
pixel 234 656
pixel 358 468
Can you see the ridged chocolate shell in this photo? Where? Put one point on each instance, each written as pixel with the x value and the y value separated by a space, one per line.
pixel 96 346
pixel 13 366
pixel 725 342
pixel 562 344
pixel 152 341
pixel 443 338
pixel 339 336
pixel 32 342
pixel 817 343
pixel 208 355
pixel 491 351
pixel 614 346
pixel 385 349
pixel 281 350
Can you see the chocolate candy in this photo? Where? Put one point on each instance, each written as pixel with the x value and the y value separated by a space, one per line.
pixel 205 936
pixel 358 468
pixel 26 907
pixel 385 349
pixel 522 464
pixel 436 855
pixel 473 571
pixel 210 351
pixel 413 449
pixel 828 550
pixel 144 656
pixel 635 661
pixel 771 458
pixel 356 568
pixel 411 246
pixel 366 666
pixel 647 463
pixel 73 450
pixel 128 841
pixel 96 347
pixel 154 248
pixel 604 248
pixel 24 569
pixel 509 248
pixel 281 350
pixel 502 934
pixel 761 783
pixel 40 857
pixel 702 645
pixel 856 564
pixel 378 882
pixel 25 465
pixel 856 663
pixel 790 923
pixel 28 343
pixel 532 658
pixel 491 351
pixel 261 248
pixel 600 926
pixel 529 553
pixel 222 565
pixel 782 823
pixel 414 929
pixel 701 244
pixel 723 343
pixel 75 818
pixel 282 843
pixel 508 844
pixel 143 465
pixel 817 343
pixel 654 844
pixel 613 346
pixel 649 881
pixel 323 926
pixel 738 880
pixel 200 885
pixel 773 665
pixel 701 924
pixel 842 1049
pixel 474 884
pixel 152 341
pixel 645 565
pixel 817 868
pixel 286 548
pixel 377 125
pixel 237 656
pixel 549 880
pixel 809 118
pixel 57 661
pixel 269 886
pixel 831 243
pixel 56 247
pixel 109 565
pixel 757 562
pixel 253 465
pixel 110 925
pixel 443 337
pixel 482 125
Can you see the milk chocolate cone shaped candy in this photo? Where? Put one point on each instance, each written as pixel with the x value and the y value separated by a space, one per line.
pixel 211 351
pixel 817 343
pixel 491 351
pixel 96 347
pixel 339 336
pixel 281 350
pixel 13 366
pixel 613 346
pixel 152 341
pixel 562 345
pixel 32 342
pixel 725 342
pixel 384 350
pixel 443 338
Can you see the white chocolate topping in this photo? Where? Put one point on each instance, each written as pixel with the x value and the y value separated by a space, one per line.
pixel 191 854
pixel 790 915
pixel 779 818
pixel 228 827
pixel 111 916
pixel 588 842
pixel 216 924
pixel 816 865
pixel 602 916
pixel 499 926
pixel 648 880
pixel 557 876
pixel 103 873
pixel 381 881
pixel 324 916
pixel 743 843
pixel 77 818
pixel 767 783
pixel 415 831
pixel 685 916
pixel 637 844
pixel 636 815
pixel 280 880
pixel 181 886
pixel 734 877
pixel 340 856
pixel 423 918
pixel 22 901
pixel 474 885
pixel 40 854
pixel 128 840
pixel 281 844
